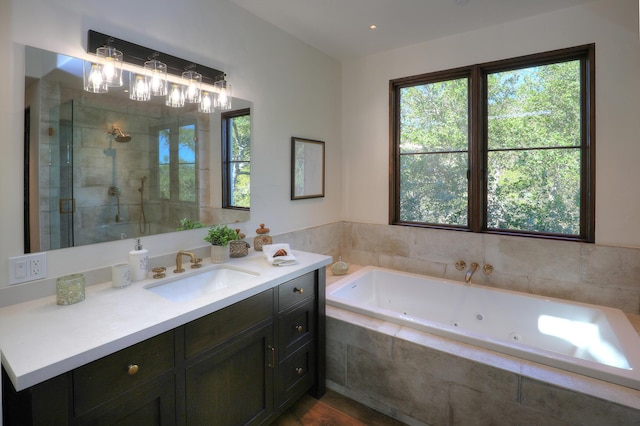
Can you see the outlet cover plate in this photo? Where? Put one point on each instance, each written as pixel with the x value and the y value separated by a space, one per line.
pixel 29 267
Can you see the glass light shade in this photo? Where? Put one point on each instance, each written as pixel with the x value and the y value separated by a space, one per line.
pixel 139 87
pixel 192 86
pixel 157 72
pixel 175 97
pixel 111 65
pixel 206 102
pixel 94 81
pixel 222 96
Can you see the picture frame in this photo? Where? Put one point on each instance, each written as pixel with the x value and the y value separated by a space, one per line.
pixel 307 168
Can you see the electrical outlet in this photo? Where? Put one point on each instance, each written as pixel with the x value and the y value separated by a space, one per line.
pixel 29 267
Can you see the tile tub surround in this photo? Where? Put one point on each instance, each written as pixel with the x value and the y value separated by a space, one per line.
pixel 422 379
pixel 581 272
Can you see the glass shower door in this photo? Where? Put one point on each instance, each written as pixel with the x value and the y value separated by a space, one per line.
pixel 61 200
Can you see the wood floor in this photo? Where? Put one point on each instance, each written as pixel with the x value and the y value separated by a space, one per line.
pixel 332 409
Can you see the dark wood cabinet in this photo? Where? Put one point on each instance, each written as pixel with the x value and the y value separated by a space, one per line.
pixel 244 364
pixel 234 385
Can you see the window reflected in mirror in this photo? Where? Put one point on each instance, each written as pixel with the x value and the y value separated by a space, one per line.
pixel 236 155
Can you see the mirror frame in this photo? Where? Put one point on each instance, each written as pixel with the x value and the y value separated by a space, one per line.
pixel 305 166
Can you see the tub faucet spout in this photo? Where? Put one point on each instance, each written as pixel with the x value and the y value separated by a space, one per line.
pixel 472 268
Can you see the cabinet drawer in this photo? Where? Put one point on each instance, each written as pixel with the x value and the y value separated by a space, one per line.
pixel 296 290
pixel 108 377
pixel 296 328
pixel 297 373
pixel 215 328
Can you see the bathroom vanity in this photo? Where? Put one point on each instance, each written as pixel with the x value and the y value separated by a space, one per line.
pixel 235 356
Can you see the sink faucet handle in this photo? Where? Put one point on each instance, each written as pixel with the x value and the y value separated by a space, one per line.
pixel 196 264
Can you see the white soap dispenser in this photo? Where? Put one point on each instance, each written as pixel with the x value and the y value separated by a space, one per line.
pixel 138 262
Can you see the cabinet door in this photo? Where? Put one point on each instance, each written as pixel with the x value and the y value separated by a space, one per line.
pixel 152 404
pixel 233 386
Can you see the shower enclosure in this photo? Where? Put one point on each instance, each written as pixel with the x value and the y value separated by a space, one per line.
pixel 61 198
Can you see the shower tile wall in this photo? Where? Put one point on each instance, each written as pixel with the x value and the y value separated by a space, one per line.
pixel 100 163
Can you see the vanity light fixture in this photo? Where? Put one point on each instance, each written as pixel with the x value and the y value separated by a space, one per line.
pixel 93 78
pixel 206 102
pixel 111 59
pixel 149 75
pixel 139 87
pixel 222 94
pixel 175 96
pixel 192 85
pixel 157 72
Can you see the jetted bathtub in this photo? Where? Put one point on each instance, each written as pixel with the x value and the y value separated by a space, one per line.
pixel 592 340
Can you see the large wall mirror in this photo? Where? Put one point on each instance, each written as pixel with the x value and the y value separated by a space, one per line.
pixel 102 167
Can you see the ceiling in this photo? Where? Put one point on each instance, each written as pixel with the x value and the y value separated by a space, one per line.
pixel 340 28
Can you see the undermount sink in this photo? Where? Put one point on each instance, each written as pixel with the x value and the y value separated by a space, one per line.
pixel 201 284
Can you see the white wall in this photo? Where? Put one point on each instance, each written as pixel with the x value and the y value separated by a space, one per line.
pixel 611 24
pixel 294 88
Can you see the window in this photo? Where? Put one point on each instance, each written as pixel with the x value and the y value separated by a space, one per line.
pixel 177 159
pixel 164 163
pixel 187 163
pixel 503 147
pixel 236 159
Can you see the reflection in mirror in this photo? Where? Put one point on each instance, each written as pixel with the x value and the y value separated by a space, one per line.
pixel 102 167
pixel 307 168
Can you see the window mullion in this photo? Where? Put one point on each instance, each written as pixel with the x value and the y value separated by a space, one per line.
pixel 477 161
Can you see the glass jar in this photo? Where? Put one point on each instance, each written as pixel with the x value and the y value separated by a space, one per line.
pixel 262 239
pixel 70 289
pixel 340 267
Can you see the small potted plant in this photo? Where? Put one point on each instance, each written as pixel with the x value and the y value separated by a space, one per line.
pixel 219 237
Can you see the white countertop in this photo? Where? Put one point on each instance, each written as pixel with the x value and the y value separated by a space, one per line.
pixel 40 339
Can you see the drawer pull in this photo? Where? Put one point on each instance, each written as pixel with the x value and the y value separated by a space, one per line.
pixel 299 328
pixel 298 290
pixel 273 357
pixel 133 369
pixel 299 371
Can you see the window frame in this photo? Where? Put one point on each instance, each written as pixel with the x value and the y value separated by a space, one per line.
pixel 477 145
pixel 227 161
pixel 174 161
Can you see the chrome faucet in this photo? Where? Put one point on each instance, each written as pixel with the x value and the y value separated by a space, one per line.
pixel 472 268
pixel 195 263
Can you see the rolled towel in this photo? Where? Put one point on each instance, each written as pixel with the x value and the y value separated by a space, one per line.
pixel 278 254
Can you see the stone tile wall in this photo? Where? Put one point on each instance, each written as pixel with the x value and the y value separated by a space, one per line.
pixel 589 273
pixel 420 380
pixel 427 380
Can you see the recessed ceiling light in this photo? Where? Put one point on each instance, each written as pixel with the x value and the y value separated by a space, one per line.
pixel 373 26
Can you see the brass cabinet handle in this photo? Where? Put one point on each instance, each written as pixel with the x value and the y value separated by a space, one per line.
pixel 300 371
pixel 299 328
pixel 298 290
pixel 133 369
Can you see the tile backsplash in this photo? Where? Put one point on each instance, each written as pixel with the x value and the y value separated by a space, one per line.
pixel 581 272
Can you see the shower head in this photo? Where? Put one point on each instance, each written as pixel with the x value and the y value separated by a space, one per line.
pixel 120 136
